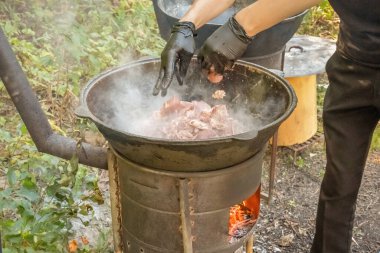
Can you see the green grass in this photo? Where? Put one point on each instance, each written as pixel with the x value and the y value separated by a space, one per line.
pixel 375 146
pixel 63 43
pixel 60 44
pixel 321 21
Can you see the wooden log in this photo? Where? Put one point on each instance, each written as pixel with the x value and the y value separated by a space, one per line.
pixel 302 123
pixel 249 244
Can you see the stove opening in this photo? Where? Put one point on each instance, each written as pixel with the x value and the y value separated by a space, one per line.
pixel 243 216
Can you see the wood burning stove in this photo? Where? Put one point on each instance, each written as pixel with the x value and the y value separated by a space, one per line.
pixel 166 211
pixel 179 195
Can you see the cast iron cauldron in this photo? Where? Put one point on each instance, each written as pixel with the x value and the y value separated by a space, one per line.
pixel 120 98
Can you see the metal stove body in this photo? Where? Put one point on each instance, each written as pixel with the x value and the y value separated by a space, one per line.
pixel 164 211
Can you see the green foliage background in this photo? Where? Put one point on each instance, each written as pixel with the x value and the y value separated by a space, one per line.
pixel 61 44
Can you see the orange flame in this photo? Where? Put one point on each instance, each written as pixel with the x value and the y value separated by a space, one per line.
pixel 243 216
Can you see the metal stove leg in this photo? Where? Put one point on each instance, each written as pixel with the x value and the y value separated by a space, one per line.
pixel 115 202
pixel 272 170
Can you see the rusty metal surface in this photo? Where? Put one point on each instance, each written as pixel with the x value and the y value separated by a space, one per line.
pixel 272 169
pixel 35 119
pixel 115 202
pixel 185 213
pixel 296 148
pixel 167 211
pixel 247 85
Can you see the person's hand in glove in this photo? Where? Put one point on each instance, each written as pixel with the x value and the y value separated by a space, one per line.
pixel 224 47
pixel 176 56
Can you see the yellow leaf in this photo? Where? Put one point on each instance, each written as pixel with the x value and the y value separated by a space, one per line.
pixel 73 246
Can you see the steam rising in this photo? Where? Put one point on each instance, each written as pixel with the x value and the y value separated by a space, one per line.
pixel 124 100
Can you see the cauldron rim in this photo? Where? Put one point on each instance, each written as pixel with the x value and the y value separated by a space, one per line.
pixel 84 111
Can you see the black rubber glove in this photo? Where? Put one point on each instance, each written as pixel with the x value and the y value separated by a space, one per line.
pixel 176 56
pixel 224 46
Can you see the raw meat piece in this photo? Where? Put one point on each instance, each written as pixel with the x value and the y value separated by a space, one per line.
pixel 180 120
pixel 174 105
pixel 213 76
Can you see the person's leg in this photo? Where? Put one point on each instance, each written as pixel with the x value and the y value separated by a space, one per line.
pixel 350 118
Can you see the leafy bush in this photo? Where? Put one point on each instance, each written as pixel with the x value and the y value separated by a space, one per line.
pixel 42 195
pixel 321 21
pixel 60 44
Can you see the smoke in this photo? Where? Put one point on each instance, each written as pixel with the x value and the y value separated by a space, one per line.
pixel 130 102
pixel 126 57
pixel 126 103
pixel 65 14
pixel 124 99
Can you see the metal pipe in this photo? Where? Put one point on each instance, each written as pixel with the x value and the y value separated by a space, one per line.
pixel 35 119
pixel 272 170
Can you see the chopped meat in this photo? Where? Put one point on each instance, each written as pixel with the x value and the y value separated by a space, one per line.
pixel 213 76
pixel 219 94
pixel 198 124
pixel 194 120
pixel 174 105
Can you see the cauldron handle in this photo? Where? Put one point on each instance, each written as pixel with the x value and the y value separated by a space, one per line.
pixel 82 111
pixel 35 120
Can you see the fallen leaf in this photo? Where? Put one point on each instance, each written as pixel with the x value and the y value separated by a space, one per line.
pixel 84 240
pixel 73 246
pixel 302 231
pixel 286 240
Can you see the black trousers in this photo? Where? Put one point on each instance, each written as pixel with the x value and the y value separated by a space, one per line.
pixel 350 114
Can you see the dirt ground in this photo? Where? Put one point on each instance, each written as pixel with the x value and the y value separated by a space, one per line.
pixel 287 224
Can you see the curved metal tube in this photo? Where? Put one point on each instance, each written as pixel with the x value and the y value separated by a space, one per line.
pixel 38 126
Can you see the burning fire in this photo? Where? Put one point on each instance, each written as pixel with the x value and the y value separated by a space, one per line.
pixel 244 216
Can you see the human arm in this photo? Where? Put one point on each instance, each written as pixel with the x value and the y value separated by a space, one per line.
pixel 231 40
pixel 264 14
pixel 177 54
